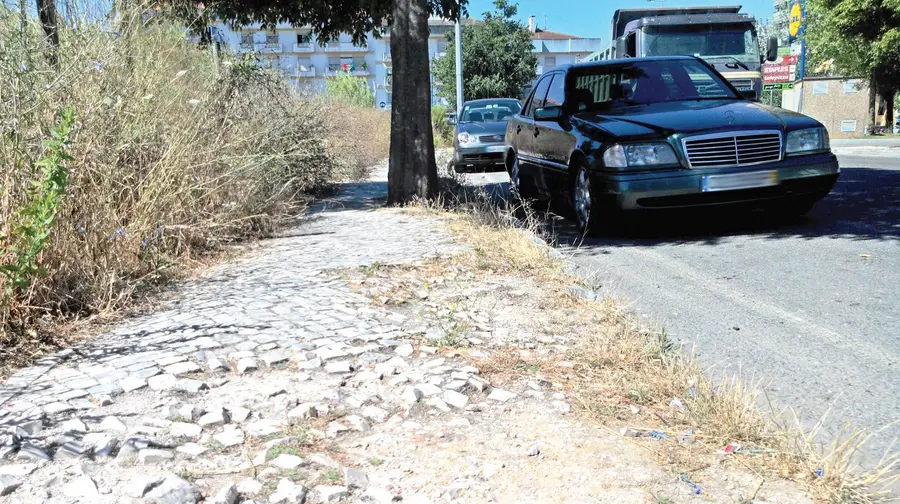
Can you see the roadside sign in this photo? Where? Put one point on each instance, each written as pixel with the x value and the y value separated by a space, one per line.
pixel 382 105
pixel 796 20
pixel 778 85
pixel 783 69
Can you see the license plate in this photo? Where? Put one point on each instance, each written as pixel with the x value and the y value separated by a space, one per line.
pixel 735 181
pixel 496 148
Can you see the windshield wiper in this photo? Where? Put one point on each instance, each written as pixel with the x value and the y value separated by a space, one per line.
pixel 737 61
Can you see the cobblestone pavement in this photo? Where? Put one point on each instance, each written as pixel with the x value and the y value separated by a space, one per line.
pixel 271 380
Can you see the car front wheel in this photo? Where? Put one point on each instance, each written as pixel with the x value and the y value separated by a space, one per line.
pixel 585 208
pixel 516 188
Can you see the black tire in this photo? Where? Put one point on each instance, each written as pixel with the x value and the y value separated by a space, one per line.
pixel 518 190
pixel 587 212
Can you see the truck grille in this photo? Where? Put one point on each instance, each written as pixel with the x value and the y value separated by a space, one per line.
pixel 733 149
pixel 492 138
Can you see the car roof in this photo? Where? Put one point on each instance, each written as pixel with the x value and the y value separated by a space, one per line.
pixel 488 100
pixel 594 64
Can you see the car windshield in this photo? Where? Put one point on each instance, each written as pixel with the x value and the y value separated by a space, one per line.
pixel 645 82
pixel 490 111
pixel 715 43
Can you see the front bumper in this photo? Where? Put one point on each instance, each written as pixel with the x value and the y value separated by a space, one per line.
pixel 811 176
pixel 479 155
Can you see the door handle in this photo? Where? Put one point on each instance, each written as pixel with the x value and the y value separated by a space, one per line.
pixel 536 132
pixel 518 129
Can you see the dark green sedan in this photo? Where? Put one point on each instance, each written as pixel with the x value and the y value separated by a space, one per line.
pixel 661 133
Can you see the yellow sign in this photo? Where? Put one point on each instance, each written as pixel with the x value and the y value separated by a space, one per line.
pixel 796 18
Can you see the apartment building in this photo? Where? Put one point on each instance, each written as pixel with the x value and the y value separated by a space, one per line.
pixel 306 61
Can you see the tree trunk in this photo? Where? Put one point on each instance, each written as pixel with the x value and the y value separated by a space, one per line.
pixel 412 171
pixel 888 111
pixel 47 15
pixel 873 100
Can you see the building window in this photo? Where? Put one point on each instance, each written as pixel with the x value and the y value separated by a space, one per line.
pixel 247 39
pixel 549 63
pixel 390 98
pixel 852 86
pixel 820 88
pixel 271 39
pixel 304 39
pixel 848 126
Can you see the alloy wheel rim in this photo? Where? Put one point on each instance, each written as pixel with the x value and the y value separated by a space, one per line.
pixel 514 174
pixel 583 198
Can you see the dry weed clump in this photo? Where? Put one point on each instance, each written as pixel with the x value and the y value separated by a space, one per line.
pixel 169 157
pixel 358 137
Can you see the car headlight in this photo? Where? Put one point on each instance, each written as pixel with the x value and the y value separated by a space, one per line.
pixel 807 140
pixel 638 155
pixel 465 138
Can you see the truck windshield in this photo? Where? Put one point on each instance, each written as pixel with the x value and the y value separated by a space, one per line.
pixel 722 44
pixel 627 84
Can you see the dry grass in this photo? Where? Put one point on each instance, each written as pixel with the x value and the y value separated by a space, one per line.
pixel 618 366
pixel 173 159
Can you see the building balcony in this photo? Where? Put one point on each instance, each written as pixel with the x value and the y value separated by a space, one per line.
pixel 305 73
pixel 385 58
pixel 343 47
pixel 386 83
pixel 440 54
pixel 245 48
pixel 269 47
pixel 304 48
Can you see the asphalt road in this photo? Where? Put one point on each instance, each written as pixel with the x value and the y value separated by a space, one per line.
pixel 809 308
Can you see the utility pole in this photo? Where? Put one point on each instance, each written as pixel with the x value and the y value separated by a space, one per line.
pixel 459 71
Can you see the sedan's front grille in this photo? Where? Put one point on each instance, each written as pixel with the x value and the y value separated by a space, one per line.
pixel 733 149
pixel 491 138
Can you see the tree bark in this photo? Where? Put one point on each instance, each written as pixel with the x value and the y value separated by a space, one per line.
pixel 412 171
pixel 873 100
pixel 47 15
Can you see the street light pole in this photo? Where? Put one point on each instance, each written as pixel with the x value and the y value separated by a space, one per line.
pixel 459 74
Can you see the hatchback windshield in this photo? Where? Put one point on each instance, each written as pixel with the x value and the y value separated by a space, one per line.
pixel 645 82
pixel 490 111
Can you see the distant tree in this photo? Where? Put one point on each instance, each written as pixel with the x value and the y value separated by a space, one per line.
pixel 858 38
pixel 412 169
pixel 348 89
pixel 47 14
pixel 497 57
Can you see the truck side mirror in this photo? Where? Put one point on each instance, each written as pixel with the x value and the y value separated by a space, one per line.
pixel 772 49
pixel 621 48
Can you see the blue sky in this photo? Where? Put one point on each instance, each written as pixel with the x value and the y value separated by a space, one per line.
pixel 592 18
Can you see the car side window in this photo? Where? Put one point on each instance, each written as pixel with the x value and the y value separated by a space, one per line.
pixel 557 93
pixel 540 91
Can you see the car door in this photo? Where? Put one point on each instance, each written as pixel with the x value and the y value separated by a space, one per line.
pixel 524 128
pixel 553 142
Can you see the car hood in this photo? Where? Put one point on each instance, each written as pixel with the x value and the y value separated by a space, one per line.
pixel 485 128
pixel 692 117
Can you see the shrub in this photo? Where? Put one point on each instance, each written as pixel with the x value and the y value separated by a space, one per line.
pixel 345 89
pixel 170 157
pixel 443 130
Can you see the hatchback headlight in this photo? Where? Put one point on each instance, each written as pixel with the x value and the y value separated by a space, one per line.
pixel 638 155
pixel 465 138
pixel 806 141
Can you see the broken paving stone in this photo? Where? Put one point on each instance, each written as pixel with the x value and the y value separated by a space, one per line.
pixel 375 413
pixel 216 364
pixel 17 470
pixel 327 354
pixel 274 358
pixel 562 407
pixel 185 430
pixel 434 363
pixel 58 408
pixel 428 390
pixel 214 418
pixel 311 364
pixel 174 490
pixel 287 492
pixel 264 427
pixel 357 423
pixel 132 383
pixel 74 426
pixel 501 395
pixel 246 364
pixel 162 382
pixel 191 412
pixel 231 436
pixel 9 484
pixel 249 486
pixel 533 451
pixel 287 461
pixel 191 386
pixel 455 399
pixel 366 376
pixel 30 451
pixel 73 450
pixel 82 488
pixel 329 493
pixel 226 495
pixel 411 395
pixel 377 496
pixel 404 350
pixel 439 404
pixel 385 369
pixel 354 478
pixel 305 411
pixel 103 445
pixel 430 350
pixel 456 385
pixel 397 362
pixel 478 385
pixel 154 456
pixel 338 367
pixel 192 449
pixel 336 428
pixel 112 424
pixel 180 368
pixel 141 484
pixel 238 414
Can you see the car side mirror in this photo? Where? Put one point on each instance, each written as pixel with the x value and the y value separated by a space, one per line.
pixel 451 121
pixel 551 113
pixel 772 49
pixel 749 94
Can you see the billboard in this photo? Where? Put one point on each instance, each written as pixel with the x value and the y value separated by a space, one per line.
pixel 784 69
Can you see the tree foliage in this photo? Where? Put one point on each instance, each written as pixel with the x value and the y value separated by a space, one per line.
pixel 856 38
pixel 497 57
pixel 347 89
